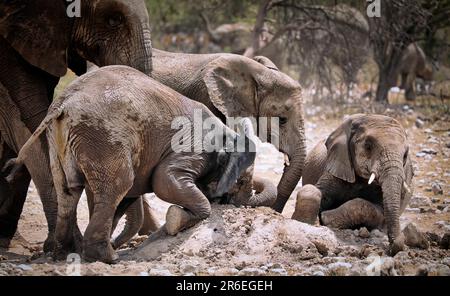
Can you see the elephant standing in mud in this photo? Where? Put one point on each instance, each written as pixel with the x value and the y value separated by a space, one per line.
pixel 114 132
pixel 38 43
pixel 235 86
pixel 413 64
pixel 360 176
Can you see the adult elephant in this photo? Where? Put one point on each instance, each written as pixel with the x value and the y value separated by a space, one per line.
pixel 413 64
pixel 360 176
pixel 38 42
pixel 235 86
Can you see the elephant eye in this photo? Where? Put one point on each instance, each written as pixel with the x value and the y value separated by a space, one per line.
pixel 368 146
pixel 115 20
pixel 283 120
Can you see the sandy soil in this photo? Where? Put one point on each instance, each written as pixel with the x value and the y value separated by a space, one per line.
pixel 244 241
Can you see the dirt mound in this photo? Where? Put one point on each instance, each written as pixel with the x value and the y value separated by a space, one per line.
pixel 243 236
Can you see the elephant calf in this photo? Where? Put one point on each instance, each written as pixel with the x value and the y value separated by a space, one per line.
pixel 111 133
pixel 361 175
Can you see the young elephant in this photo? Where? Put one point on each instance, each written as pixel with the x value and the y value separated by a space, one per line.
pixel 111 132
pixel 361 175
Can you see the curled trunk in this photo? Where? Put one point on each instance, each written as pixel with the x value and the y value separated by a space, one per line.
pixel 266 193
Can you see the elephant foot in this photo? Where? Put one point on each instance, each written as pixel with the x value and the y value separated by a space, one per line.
pixel 308 204
pixel 397 245
pixel 100 251
pixel 177 219
pixel 49 244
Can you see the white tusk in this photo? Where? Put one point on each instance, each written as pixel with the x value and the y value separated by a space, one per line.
pixel 406 187
pixel 372 177
pixel 286 160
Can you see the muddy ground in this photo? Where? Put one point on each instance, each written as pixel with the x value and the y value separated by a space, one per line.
pixel 246 241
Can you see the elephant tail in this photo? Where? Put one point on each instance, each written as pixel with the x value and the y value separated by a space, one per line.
pixel 15 164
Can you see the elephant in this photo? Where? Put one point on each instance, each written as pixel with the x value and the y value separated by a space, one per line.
pixel 413 64
pixel 38 43
pixel 231 86
pixel 360 175
pixel 114 132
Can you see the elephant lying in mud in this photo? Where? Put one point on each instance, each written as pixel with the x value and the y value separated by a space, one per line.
pixel 232 86
pixel 360 176
pixel 113 132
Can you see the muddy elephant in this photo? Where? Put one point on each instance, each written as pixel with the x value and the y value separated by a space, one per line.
pixel 233 86
pixel 119 133
pixel 414 64
pixel 38 43
pixel 360 176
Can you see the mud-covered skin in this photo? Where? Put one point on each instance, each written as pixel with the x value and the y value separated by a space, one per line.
pixel 38 43
pixel 235 86
pixel 341 167
pixel 111 132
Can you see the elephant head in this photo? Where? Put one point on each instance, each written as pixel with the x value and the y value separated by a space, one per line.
pixel 108 32
pixel 374 148
pixel 239 86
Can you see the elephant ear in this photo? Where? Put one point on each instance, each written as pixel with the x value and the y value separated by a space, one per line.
pixel 339 162
pixel 231 86
pixel 266 62
pixel 39 30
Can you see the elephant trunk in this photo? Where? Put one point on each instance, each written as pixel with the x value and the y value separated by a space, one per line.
pixel 391 179
pixel 142 56
pixel 265 195
pixel 293 172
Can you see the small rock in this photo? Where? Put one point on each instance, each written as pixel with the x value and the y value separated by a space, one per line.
pixel 445 241
pixel 429 151
pixel 440 270
pixel 318 273
pixel 377 233
pixel 321 248
pixel 363 232
pixel 339 268
pixel 189 274
pixel 279 271
pixel 422 270
pixel 187 268
pixel 447 144
pixel 433 238
pixel 25 267
pixel 143 273
pixel 414 238
pixel 159 272
pixel 388 266
pixel 419 123
pixel 402 256
pixel 436 188
pixel 252 271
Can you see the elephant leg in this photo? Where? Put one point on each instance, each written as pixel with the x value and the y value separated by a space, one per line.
pixel 15 133
pixel 178 187
pixel 12 197
pixel 68 238
pixel 108 192
pixel 308 204
pixel 135 219
pixel 150 224
pixel 410 93
pixel 354 213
